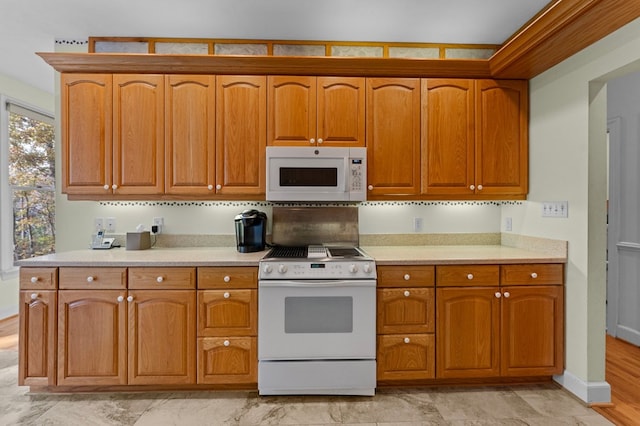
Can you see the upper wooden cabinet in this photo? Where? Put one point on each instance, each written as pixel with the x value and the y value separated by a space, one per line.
pixel 475 137
pixel 393 136
pixel 315 111
pixel 241 135
pixel 190 134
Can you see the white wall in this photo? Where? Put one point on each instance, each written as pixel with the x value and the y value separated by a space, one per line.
pixel 17 90
pixel 568 162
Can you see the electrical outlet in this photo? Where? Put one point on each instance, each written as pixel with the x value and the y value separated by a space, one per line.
pixel 417 224
pixel 159 222
pixel 555 209
pixel 110 224
pixel 98 224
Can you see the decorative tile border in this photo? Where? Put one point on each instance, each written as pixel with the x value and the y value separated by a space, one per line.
pixel 270 204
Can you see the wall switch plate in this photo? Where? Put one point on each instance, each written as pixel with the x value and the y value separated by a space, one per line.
pixel 417 224
pixel 555 209
pixel 110 224
pixel 508 224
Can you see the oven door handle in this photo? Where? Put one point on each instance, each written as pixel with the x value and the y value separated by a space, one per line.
pixel 316 283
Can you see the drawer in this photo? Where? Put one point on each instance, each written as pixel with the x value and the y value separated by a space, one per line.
pixel 406 357
pixel 467 275
pixel 228 277
pixel 162 278
pixel 406 276
pixel 532 274
pixel 228 312
pixel 406 310
pixel 38 278
pixel 87 278
pixel 227 360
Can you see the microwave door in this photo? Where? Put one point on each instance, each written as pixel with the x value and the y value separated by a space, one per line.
pixel 307 179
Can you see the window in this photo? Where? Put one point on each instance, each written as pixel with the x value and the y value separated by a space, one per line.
pixel 28 183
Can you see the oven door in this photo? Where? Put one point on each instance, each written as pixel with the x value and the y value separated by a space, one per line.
pixel 316 319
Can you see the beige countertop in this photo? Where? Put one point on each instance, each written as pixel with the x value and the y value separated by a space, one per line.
pixel 228 256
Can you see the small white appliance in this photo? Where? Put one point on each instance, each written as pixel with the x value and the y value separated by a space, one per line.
pixel 316 173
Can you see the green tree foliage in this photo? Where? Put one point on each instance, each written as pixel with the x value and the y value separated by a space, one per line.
pixel 32 179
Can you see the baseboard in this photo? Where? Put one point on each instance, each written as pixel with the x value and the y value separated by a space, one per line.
pixel 589 392
pixel 8 311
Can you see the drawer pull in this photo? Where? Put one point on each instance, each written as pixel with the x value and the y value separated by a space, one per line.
pixel 120 299
pixel 407 340
pixel 130 299
pixel 34 279
pixel 498 294
pixel 34 296
pixel 407 277
pixel 226 343
pixel 160 279
pixel 407 293
pixel 470 276
pixel 534 275
pixel 507 294
pixel 227 278
pixel 90 279
pixel 226 295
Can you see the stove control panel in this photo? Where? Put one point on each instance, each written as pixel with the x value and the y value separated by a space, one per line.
pixel 317 270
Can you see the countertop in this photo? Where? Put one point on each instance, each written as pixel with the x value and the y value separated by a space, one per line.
pixel 228 256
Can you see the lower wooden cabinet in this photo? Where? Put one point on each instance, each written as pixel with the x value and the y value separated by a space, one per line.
pixel 37 341
pixel 223 360
pixel 406 357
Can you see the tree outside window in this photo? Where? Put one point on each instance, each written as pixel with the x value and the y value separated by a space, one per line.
pixel 32 182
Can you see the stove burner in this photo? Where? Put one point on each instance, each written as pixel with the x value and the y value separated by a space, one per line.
pixel 344 252
pixel 288 252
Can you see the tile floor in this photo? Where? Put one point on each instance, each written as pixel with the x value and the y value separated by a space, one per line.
pixel 529 405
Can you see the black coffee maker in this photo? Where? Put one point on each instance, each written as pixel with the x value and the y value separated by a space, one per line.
pixel 251 230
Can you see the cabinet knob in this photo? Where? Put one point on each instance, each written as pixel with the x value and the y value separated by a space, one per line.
pixel 90 279
pixel 407 277
pixel 370 187
pixel 226 343
pixel 479 187
pixel 320 141
pixel 534 275
pixel 34 279
pixel 470 276
pixel 227 278
pixel 114 186
pixel 34 296
pixel 218 187
pixel 407 340
pixel 312 141
pixel 130 299
pixel 106 187
pixel 160 279
pixel 210 187
pixel 507 294
pixel 407 293
pixel 472 187
pixel 120 299
pixel 498 294
pixel 226 295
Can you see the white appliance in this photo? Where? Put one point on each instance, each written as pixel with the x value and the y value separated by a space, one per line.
pixel 316 173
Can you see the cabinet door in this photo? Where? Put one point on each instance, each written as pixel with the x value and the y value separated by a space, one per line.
pixel 92 337
pixel 341 111
pixel 37 338
pixel 448 136
pixel 406 310
pixel 190 134
pixel 227 360
pixel 502 137
pixel 468 330
pixel 393 136
pixel 406 357
pixel 241 135
pixel 86 127
pixel 532 330
pixel 138 134
pixel 229 312
pixel 162 337
pixel 291 110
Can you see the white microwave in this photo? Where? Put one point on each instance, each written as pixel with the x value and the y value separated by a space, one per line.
pixel 316 173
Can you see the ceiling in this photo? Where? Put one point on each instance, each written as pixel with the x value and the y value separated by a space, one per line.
pixel 34 25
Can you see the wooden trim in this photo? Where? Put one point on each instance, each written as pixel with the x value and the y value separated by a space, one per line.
pixel 560 31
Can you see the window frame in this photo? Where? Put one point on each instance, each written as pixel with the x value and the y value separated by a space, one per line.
pixel 8 269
